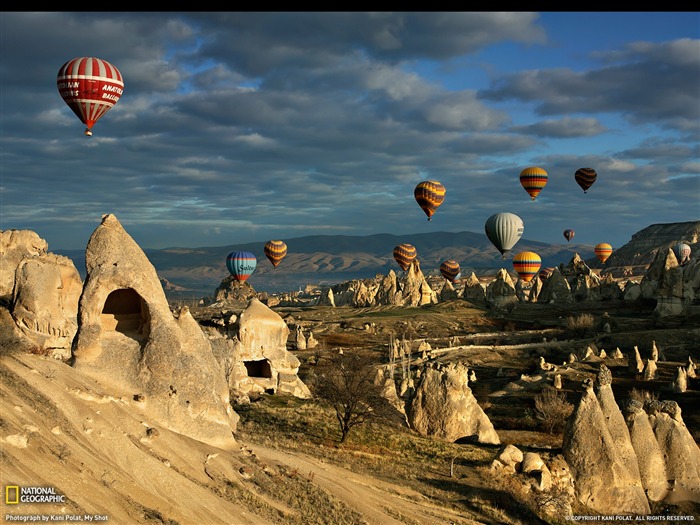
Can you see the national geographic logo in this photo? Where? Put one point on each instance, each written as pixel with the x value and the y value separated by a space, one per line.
pixel 14 495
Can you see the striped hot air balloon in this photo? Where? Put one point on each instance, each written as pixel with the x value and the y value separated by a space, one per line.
pixel 429 195
pixel 585 177
pixel 569 234
pixel 526 265
pixel 450 270
pixel 533 180
pixel 241 265
pixel 603 251
pixel 91 87
pixel 404 255
pixel 545 273
pixel 275 251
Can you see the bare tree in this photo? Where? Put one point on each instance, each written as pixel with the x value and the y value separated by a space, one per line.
pixel 552 408
pixel 347 383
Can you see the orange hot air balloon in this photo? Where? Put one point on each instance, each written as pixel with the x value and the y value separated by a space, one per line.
pixel 603 251
pixel 275 251
pixel 91 87
pixel 533 179
pixel 429 195
pixel 450 270
pixel 404 255
pixel 585 177
pixel 526 265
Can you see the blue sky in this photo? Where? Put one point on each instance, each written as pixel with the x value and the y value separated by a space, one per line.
pixel 239 127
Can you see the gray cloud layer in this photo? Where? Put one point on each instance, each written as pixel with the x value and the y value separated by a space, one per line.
pixel 238 127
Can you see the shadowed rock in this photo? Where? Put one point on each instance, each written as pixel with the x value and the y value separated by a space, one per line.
pixel 616 422
pixel 652 467
pixel 681 453
pixel 602 480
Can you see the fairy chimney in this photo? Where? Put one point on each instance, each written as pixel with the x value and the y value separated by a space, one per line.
pixel 128 338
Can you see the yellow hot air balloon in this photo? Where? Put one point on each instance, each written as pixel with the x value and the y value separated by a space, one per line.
pixel 603 251
pixel 533 180
pixel 526 265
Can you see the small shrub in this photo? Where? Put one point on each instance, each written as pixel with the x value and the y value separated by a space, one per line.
pixel 581 324
pixel 552 409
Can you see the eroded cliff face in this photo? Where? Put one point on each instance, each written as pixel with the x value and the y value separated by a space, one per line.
pixel 644 245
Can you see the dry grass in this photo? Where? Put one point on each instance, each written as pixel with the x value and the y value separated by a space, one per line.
pixel 451 475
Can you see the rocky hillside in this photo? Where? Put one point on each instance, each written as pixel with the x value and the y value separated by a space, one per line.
pixel 324 259
pixel 642 248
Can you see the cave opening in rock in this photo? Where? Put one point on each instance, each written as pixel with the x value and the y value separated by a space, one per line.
pixel 126 312
pixel 259 368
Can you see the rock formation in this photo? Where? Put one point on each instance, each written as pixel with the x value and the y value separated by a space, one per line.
pixel 501 291
pixel 444 407
pixel 681 453
pixel 555 289
pixel 129 339
pixel 412 289
pixel 252 350
pixel 473 290
pixel 16 245
pixel 602 480
pixel 650 459
pixel 45 302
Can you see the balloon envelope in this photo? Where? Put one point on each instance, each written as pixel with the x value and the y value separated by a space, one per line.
pixel 450 270
pixel 429 195
pixel 533 180
pixel 241 265
pixel 404 255
pixel 526 265
pixel 504 230
pixel 569 234
pixel 603 251
pixel 91 87
pixel 275 251
pixel 682 252
pixel 585 177
pixel 545 273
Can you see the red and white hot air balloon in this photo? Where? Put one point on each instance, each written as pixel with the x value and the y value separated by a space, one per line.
pixel 91 87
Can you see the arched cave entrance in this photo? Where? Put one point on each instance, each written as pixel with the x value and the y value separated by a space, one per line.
pixel 126 312
pixel 259 368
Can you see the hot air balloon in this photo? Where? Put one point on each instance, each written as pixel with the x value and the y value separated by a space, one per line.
pixel 404 254
pixel 450 270
pixel 533 180
pixel 569 234
pixel 545 273
pixel 682 252
pixel 504 230
pixel 526 265
pixel 429 195
pixel 91 87
pixel 603 251
pixel 241 265
pixel 585 177
pixel 275 251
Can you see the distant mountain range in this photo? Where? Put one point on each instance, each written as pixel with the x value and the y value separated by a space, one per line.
pixel 330 259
